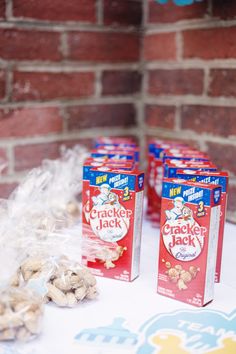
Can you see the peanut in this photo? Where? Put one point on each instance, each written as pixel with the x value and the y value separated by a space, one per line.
pixel 32 263
pixel 91 293
pixel 23 334
pixel 31 322
pixel 7 334
pixel 89 280
pixel 71 299
pixel 80 293
pixel 63 284
pixel 21 314
pixel 56 295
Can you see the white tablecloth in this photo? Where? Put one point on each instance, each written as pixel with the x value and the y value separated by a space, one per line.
pixel 88 328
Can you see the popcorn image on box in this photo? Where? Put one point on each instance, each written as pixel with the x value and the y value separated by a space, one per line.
pixel 220 178
pixel 190 216
pixel 112 221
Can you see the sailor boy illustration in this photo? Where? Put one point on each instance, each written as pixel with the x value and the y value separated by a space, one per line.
pixel 176 212
pixel 103 197
pixel 113 199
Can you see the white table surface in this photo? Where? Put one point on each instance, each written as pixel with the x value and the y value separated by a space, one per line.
pixel 136 303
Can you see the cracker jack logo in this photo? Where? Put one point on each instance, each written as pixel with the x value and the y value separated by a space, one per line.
pixel 183 237
pixel 180 332
pixel 109 220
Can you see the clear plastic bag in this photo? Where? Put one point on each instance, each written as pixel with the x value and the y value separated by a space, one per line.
pixel 50 195
pixel 44 227
pixel 21 313
pixel 21 310
pixel 64 194
pixel 53 268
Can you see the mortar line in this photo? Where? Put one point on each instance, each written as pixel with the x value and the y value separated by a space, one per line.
pixel 8 9
pixel 67 136
pixel 99 12
pixel 98 84
pixel 49 26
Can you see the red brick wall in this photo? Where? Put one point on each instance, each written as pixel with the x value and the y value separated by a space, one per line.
pixel 72 70
pixel 65 67
pixel 189 84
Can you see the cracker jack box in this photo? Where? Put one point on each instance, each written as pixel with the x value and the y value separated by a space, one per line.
pixel 113 222
pixel 187 162
pixel 190 216
pixel 123 148
pixel 124 142
pixel 220 178
pixel 189 155
pixel 98 163
pixel 155 174
pixel 170 168
pixel 114 154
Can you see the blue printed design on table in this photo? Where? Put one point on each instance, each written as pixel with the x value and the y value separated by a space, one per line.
pixel 114 335
pixel 183 332
pixel 178 2
pixel 12 348
pixel 179 332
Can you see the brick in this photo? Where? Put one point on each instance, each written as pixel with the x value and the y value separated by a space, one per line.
pixel 103 47
pixel 211 43
pixel 223 156
pixel 22 122
pixel 209 119
pixel 160 46
pixel 176 82
pixel 224 9
pixel 232 198
pixel 172 13
pixel 222 82
pixel 88 143
pixel 120 82
pixel 46 86
pixel 160 116
pixel 122 12
pixel 2 84
pixel 29 45
pixel 6 189
pixel 60 10
pixel 2 9
pixel 111 115
pixel 29 156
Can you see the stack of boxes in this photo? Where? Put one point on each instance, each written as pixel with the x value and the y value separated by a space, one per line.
pixel 112 209
pixel 187 198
